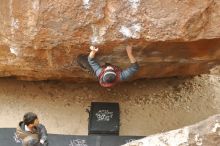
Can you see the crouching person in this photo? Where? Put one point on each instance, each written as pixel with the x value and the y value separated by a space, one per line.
pixel 31 132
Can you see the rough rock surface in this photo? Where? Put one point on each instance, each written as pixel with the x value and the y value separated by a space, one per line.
pixel 205 133
pixel 40 39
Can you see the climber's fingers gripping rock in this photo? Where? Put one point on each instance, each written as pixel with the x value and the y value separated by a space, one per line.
pixel 94 49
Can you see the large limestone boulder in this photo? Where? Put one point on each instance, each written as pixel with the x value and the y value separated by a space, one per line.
pixel 204 133
pixel 40 39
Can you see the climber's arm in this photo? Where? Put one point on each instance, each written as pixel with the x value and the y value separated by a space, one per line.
pixel 130 71
pixel 92 62
pixel 130 55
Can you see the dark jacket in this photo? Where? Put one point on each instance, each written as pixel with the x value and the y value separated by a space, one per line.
pixel 39 133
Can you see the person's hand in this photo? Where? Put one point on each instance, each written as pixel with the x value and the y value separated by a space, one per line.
pixel 94 49
pixel 42 141
pixel 129 50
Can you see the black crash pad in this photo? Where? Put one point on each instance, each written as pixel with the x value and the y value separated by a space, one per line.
pixel 104 118
pixel 7 138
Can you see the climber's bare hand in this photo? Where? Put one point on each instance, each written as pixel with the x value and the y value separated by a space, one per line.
pixel 94 49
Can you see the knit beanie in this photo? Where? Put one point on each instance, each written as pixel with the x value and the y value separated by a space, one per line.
pixel 109 76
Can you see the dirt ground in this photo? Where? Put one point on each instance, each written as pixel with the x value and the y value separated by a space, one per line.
pixel 147 106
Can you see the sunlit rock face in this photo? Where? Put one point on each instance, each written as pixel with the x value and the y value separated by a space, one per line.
pixel 204 133
pixel 40 39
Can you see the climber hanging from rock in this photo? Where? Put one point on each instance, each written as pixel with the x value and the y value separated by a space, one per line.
pixel 108 75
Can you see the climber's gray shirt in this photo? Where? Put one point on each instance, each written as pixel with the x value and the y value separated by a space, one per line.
pixel 125 74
